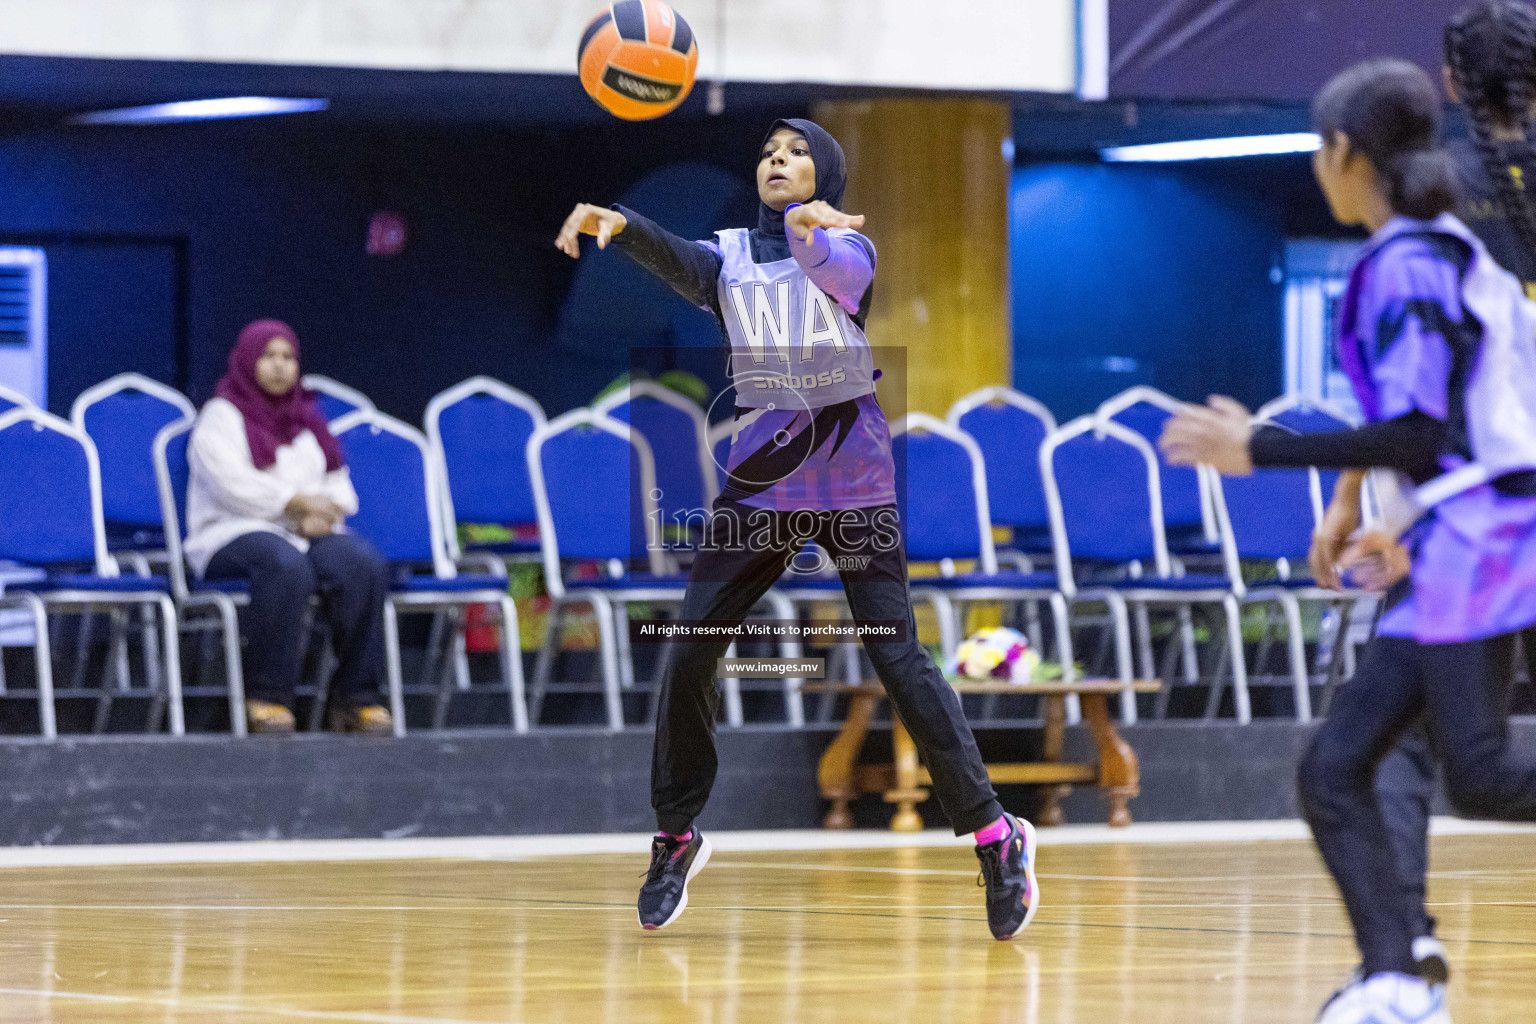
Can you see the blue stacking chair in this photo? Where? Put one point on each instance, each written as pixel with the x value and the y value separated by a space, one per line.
pixel 335 398
pixel 1188 522
pixel 122 415
pixel 594 481
pixel 1009 428
pixel 942 484
pixel 10 399
pixel 51 518
pixel 204 606
pixel 1270 516
pixel 1103 490
pixel 479 431
pixel 1304 416
pixel 678 435
pixel 399 511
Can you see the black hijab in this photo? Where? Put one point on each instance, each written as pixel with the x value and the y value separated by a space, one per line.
pixel 831 180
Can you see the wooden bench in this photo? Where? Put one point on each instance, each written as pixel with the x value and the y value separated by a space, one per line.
pixel 842 778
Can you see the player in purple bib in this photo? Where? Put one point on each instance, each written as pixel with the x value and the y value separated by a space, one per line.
pixel 1440 345
pixel 810 460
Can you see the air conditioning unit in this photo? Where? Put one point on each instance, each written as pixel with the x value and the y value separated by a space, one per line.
pixel 24 322
pixel 1316 274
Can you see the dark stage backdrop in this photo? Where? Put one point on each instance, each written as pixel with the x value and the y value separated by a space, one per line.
pixel 1262 49
pixel 165 240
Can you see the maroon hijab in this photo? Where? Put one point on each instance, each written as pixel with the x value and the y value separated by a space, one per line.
pixel 272 422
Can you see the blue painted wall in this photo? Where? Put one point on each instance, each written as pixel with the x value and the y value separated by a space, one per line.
pixel 1129 275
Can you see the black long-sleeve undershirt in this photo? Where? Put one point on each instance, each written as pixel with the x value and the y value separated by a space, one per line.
pixel 1410 444
pixel 690 268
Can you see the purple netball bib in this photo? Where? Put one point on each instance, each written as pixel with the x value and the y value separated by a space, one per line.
pixel 792 346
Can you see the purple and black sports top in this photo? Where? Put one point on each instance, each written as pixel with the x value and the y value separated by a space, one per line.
pixel 809 433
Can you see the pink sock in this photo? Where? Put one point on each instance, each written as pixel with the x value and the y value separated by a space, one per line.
pixel 993 832
pixel 676 839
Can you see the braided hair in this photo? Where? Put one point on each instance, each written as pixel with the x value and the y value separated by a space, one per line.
pixel 1490 49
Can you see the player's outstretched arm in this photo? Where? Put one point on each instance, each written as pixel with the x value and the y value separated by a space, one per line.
pixel 690 268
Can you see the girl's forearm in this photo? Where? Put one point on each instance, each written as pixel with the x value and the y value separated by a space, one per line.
pixel 837 264
pixel 1346 491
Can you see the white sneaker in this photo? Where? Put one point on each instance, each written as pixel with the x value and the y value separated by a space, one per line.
pixel 1388 998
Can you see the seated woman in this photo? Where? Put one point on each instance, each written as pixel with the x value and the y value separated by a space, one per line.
pixel 266 502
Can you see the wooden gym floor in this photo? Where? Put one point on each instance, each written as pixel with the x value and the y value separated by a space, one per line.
pixel 1225 933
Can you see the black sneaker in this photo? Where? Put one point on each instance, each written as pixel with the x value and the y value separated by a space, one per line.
pixel 673 865
pixel 1008 872
pixel 1429 961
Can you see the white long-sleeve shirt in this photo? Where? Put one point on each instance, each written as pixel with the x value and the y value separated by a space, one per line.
pixel 228 497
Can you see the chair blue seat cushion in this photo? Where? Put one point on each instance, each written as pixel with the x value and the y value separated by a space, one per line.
pixel 1031 540
pixel 123 537
pixel 1191 540
pixel 1007 579
pixel 1194 581
pixel 461 584
pixel 96 584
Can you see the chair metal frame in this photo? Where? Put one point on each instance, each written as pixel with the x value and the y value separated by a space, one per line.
pixel 336 389
pixel 128 382
pixel 224 605
pixel 1128 592
pixel 701 431
pixel 1108 409
pixel 610 604
pixel 1025 403
pixel 139 559
pixel 16 399
pixel 948 602
pixel 481 385
pixel 1285 403
pixel 1144 393
pixel 491 562
pixel 444 568
pixel 84 601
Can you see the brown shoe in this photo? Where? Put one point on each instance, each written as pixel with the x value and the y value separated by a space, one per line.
pixel 372 720
pixel 262 716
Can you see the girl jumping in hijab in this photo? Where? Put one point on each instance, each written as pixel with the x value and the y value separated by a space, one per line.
pixel 266 501
pixel 1439 344
pixel 810 460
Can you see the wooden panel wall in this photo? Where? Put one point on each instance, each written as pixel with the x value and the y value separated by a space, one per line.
pixel 929 175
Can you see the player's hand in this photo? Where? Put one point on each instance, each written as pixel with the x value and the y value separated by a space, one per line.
pixel 1328 544
pixel 802 220
pixel 587 219
pixel 1216 434
pixel 1375 561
